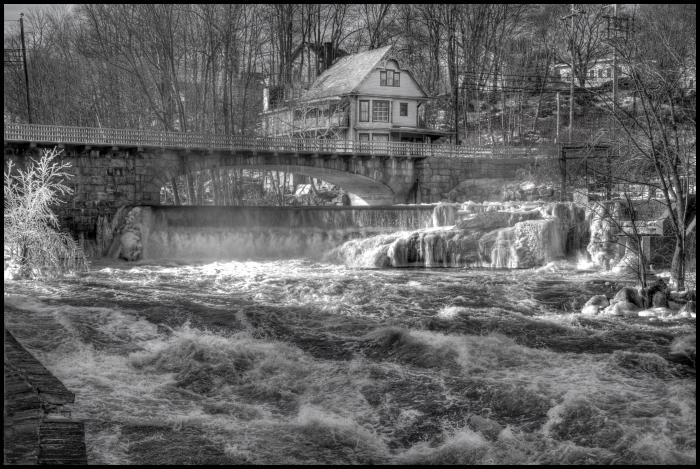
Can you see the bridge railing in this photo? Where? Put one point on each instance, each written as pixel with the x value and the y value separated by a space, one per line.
pixel 191 140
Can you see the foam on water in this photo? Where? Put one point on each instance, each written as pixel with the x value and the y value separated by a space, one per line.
pixel 301 362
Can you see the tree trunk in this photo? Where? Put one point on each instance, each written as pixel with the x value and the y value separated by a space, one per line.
pixel 176 195
pixel 678 264
pixel 190 189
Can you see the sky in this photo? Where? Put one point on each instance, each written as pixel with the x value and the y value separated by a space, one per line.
pixel 11 12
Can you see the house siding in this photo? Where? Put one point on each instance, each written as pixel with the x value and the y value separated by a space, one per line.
pixel 408 88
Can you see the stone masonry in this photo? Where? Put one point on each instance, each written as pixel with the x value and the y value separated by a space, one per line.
pixel 107 177
pixel 439 175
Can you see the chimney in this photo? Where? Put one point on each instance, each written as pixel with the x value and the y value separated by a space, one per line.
pixel 327 55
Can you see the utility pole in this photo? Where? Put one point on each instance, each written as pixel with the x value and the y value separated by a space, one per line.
pixel 573 77
pixel 608 186
pixel 556 140
pixel 574 13
pixel 616 26
pixel 26 72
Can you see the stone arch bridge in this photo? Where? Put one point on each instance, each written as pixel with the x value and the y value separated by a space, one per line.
pixel 123 166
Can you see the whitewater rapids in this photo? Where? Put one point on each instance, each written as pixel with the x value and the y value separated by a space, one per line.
pixel 303 362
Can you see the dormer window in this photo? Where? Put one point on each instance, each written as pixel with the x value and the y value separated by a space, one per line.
pixel 389 78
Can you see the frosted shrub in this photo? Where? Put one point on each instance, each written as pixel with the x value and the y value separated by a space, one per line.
pixel 33 242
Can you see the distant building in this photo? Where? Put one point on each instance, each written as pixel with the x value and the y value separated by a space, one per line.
pixel 686 79
pixel 597 74
pixel 364 97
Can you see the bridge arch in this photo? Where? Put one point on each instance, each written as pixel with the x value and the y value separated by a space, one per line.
pixel 367 181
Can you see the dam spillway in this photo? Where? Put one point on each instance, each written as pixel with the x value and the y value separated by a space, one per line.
pixel 207 232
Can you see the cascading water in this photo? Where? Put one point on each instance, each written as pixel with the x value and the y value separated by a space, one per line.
pixel 296 361
pixel 499 236
pixel 502 254
pixel 159 232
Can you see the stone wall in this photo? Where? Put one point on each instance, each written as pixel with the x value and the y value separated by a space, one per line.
pixel 109 177
pixel 37 425
pixel 104 179
pixel 479 178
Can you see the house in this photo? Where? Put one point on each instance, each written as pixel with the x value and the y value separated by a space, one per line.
pixel 365 96
pixel 598 73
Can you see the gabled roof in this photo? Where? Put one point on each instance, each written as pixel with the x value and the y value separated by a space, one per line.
pixel 346 75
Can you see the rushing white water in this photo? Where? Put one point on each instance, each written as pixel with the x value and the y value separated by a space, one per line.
pixel 304 362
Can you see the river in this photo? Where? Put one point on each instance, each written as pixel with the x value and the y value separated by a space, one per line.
pixel 300 362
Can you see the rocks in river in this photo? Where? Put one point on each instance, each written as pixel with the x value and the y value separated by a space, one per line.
pixel 627 294
pixel 132 235
pixel 487 427
pixel 595 305
pixel 622 308
pixel 688 310
pixel 656 294
pixel 659 300
pixel 628 302
pixel 130 246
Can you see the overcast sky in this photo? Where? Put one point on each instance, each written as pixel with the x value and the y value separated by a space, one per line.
pixel 12 10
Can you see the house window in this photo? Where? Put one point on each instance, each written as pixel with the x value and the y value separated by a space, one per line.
pixel 600 73
pixel 364 111
pixel 608 72
pixel 312 115
pixel 380 111
pixel 403 109
pixel 592 74
pixel 363 137
pixel 389 78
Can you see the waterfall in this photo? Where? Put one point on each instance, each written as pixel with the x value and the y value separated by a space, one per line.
pixel 209 232
pixel 497 236
pixel 444 214
pixel 503 253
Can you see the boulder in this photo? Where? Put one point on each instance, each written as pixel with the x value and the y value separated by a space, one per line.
pixel 629 295
pixel 130 246
pixel 622 308
pixel 590 310
pixel 659 300
pixel 598 300
pixel 657 291
pixel 595 305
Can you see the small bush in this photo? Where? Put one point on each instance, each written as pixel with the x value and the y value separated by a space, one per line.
pixel 32 238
